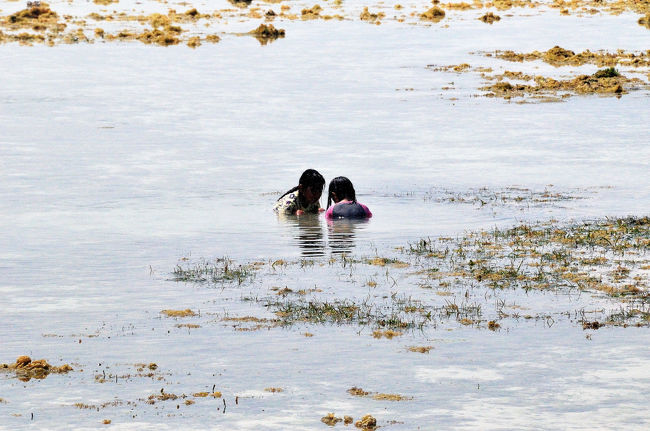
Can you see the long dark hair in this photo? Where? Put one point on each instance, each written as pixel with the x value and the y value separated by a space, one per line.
pixel 309 179
pixel 343 188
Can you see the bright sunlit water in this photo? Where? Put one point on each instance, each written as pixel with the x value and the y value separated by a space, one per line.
pixel 117 160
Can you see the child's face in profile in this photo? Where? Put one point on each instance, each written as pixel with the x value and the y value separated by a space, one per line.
pixel 312 195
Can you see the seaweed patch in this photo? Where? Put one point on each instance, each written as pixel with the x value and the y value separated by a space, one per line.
pixel 26 369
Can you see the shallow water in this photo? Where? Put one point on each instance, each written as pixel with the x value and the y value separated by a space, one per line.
pixel 117 160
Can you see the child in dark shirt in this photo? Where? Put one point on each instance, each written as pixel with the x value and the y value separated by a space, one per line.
pixel 341 192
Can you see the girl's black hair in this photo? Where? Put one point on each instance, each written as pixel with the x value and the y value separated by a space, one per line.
pixel 310 179
pixel 343 188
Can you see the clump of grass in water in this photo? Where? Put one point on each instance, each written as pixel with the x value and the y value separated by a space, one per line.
pixel 392 316
pixel 222 270
pixel 550 256
pixel 320 312
pixel 384 261
pixel 509 196
pixel 627 317
pixel 608 72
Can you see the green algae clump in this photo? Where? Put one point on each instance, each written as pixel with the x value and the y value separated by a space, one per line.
pixel 609 72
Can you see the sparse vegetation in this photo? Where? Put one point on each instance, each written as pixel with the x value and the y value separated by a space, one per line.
pixel 219 271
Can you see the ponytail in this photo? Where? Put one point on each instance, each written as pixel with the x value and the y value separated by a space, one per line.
pixel 289 191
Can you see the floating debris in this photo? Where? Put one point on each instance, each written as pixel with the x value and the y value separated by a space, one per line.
pixel 251 323
pixel 371 17
pixel 645 20
pixel 26 369
pixel 311 13
pixel 603 82
pixel 330 419
pixel 383 261
pixel 241 3
pixel 558 56
pixel 435 14
pixel 194 42
pixel 207 394
pixel 164 396
pixel 37 17
pixel 420 349
pixel 265 33
pixel 367 423
pixel 357 392
pixel 493 326
pixel 389 334
pixel 591 325
pixel 179 313
pixel 391 397
pixel 187 325
pixel 490 18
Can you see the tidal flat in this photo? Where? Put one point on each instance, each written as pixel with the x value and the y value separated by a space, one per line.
pixel 501 146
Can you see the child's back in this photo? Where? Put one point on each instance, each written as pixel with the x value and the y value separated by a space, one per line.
pixel 341 192
pixel 351 210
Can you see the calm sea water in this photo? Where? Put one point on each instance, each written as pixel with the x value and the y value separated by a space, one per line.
pixel 117 160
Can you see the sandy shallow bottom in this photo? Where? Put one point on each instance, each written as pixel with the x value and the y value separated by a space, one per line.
pixel 120 161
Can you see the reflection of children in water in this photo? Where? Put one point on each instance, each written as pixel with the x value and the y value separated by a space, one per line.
pixel 309 235
pixel 341 234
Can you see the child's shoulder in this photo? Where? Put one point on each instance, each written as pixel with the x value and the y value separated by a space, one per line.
pixel 286 203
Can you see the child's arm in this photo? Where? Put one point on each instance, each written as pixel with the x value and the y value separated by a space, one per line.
pixel 367 210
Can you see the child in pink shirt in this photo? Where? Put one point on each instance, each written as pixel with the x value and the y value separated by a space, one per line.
pixel 341 192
